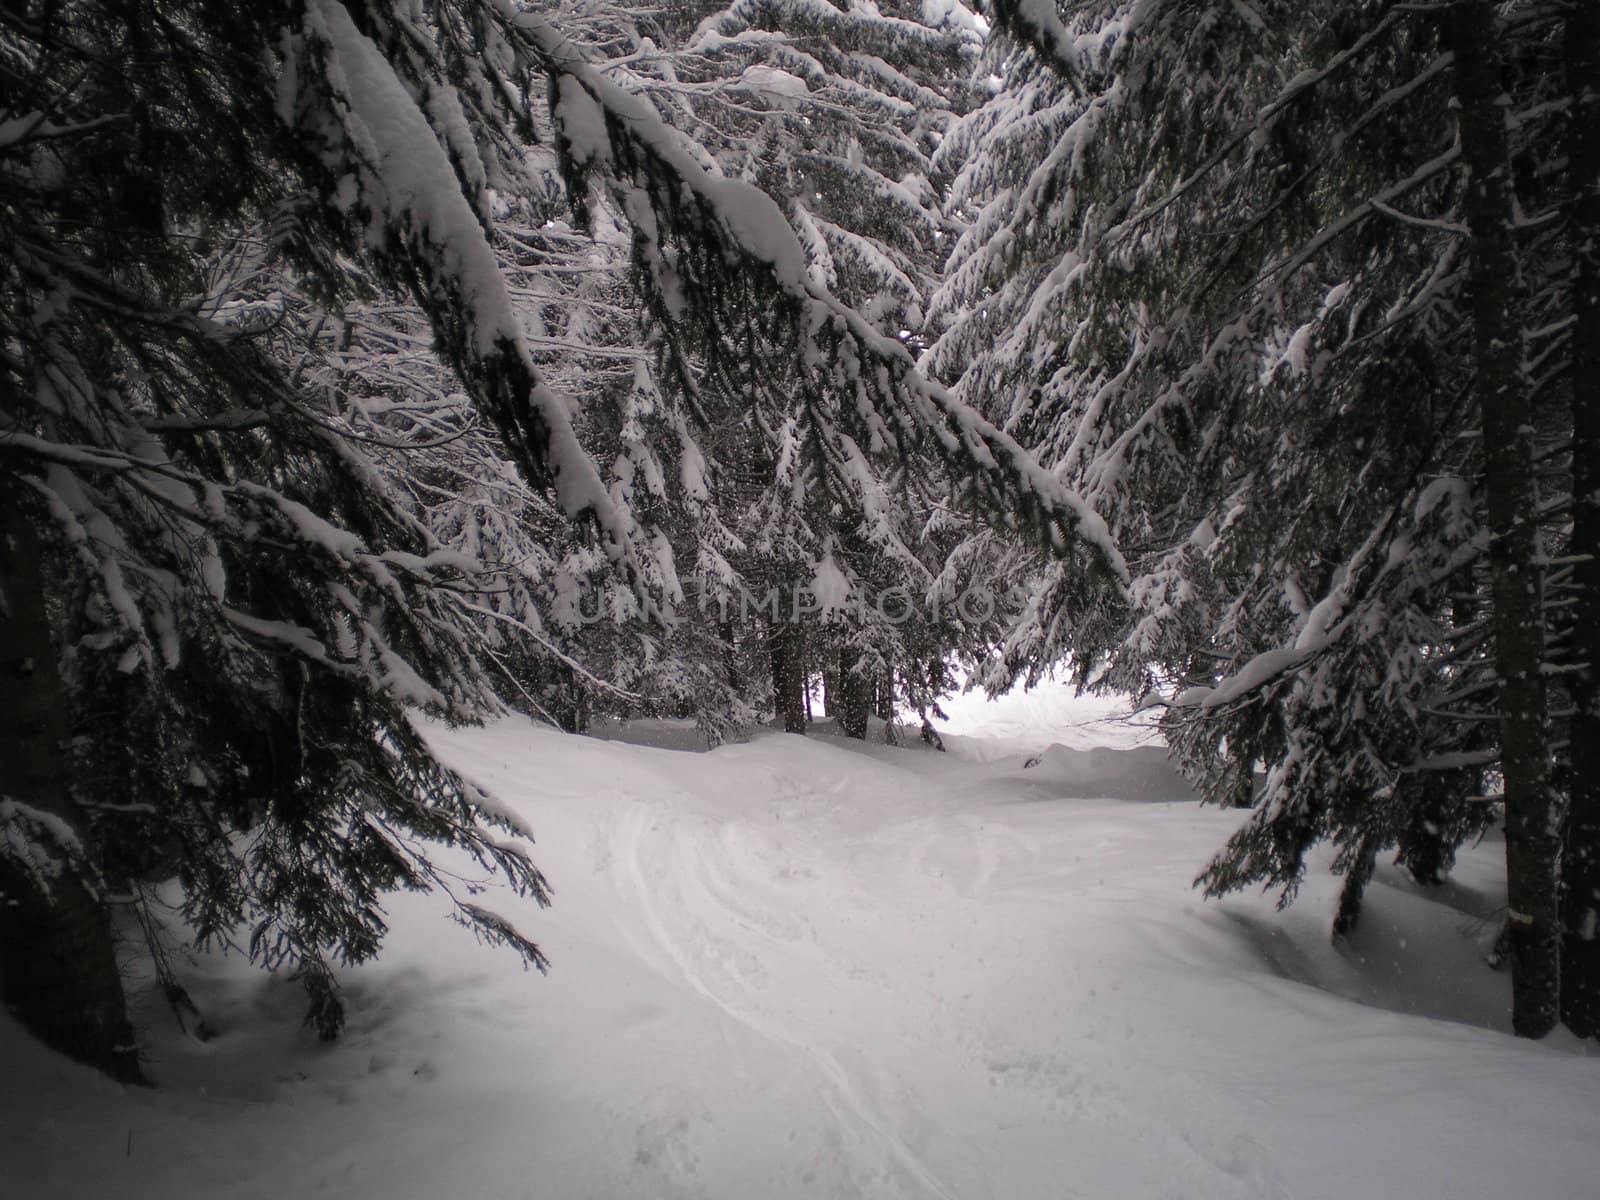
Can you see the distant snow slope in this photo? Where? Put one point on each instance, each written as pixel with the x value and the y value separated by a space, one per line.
pixel 1028 720
pixel 819 969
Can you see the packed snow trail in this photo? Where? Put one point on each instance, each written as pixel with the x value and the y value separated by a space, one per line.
pixel 859 988
pixel 812 968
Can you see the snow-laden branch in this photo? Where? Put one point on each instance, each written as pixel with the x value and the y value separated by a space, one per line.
pixel 413 192
pixel 616 138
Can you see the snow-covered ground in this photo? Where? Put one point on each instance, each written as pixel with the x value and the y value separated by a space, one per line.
pixel 811 968
pixel 1030 720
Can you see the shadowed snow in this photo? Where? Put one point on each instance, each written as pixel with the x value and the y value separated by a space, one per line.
pixel 807 967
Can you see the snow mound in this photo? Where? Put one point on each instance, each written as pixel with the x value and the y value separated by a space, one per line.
pixel 1112 773
pixel 1028 721
pixel 664 733
pixel 812 969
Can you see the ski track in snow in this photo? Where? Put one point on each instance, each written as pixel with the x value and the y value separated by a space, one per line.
pixel 810 968
pixel 703 906
pixel 701 952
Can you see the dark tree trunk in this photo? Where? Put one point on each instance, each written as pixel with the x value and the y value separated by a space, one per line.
pixel 1244 785
pixel 1427 848
pixel 1355 885
pixel 855 696
pixel 884 704
pixel 572 706
pixel 1580 949
pixel 788 676
pixel 883 700
pixel 1532 833
pixel 58 968
pixel 730 653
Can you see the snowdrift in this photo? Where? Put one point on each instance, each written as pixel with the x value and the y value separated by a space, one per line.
pixel 803 968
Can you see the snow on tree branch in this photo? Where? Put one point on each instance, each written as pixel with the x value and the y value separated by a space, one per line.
pixel 697 232
pixel 413 195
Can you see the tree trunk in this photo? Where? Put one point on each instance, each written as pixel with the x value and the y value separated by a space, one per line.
pixel 788 676
pixel 1532 830
pixel 730 654
pixel 1244 783
pixel 1580 949
pixel 1427 845
pixel 571 705
pixel 1354 891
pixel 58 968
pixel 883 700
pixel 855 696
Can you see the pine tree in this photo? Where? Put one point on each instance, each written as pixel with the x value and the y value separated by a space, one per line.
pixel 244 608
pixel 1205 248
pixel 833 114
pixel 249 585
pixel 60 970
pixel 1580 868
pixel 1532 815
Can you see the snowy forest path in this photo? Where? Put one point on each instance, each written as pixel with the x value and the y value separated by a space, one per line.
pixel 694 882
pixel 824 970
pixel 804 907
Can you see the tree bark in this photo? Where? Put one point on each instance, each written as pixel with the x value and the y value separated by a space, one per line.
pixel 883 699
pixel 883 704
pixel 788 676
pixel 1354 891
pixel 1427 848
pixel 1580 947
pixel 571 705
pixel 58 967
pixel 1244 784
pixel 855 696
pixel 1532 815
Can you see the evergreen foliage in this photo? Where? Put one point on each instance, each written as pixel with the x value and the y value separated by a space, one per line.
pixel 289 297
pixel 361 359
pixel 1228 268
pixel 247 605
pixel 834 115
